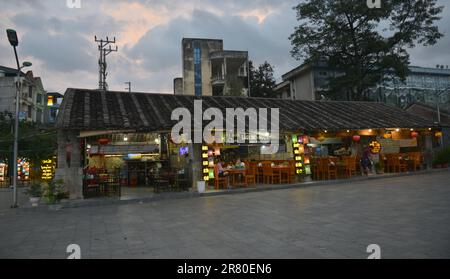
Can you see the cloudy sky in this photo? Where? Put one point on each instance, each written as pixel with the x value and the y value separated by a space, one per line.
pixel 59 41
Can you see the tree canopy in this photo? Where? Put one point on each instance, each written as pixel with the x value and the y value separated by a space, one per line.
pixel 36 143
pixel 234 86
pixel 262 81
pixel 361 42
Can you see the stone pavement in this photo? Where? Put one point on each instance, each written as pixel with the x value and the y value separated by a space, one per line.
pixel 6 197
pixel 408 217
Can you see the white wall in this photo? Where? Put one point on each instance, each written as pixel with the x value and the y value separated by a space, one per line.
pixel 302 86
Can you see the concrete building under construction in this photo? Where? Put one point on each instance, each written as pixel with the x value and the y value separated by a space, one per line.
pixel 209 70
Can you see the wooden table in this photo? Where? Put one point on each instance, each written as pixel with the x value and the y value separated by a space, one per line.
pixel 233 175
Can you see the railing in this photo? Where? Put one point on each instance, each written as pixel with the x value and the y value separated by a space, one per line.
pixel 218 80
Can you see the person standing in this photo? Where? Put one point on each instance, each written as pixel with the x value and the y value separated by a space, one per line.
pixel 366 163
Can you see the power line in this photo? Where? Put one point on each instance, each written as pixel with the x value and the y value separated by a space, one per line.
pixel 104 47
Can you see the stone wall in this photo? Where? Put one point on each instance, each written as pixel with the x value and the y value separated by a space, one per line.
pixel 69 168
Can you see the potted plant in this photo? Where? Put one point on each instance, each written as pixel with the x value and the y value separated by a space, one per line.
pixel 442 159
pixel 379 168
pixel 54 192
pixel 35 193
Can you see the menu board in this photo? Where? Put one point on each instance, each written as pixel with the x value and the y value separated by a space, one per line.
pixel 408 142
pixel 394 145
pixel 389 146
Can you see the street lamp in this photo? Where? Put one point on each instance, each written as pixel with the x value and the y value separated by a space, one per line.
pixel 14 41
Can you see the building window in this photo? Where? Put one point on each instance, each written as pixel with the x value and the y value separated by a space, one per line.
pixel 53 113
pixel 323 73
pixel 30 92
pixel 197 69
pixel 50 101
pixel 29 112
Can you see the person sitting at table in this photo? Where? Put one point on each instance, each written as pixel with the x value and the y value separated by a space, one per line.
pixel 239 163
pixel 220 170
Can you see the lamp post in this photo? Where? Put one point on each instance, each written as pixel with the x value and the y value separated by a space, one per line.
pixel 14 41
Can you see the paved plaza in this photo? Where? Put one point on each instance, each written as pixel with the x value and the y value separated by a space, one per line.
pixel 408 217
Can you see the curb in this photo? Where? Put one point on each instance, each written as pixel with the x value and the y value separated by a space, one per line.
pixel 189 195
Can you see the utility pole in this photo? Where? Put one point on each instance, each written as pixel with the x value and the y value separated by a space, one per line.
pixel 104 46
pixel 129 86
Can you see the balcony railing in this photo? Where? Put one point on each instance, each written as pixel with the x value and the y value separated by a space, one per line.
pixel 218 80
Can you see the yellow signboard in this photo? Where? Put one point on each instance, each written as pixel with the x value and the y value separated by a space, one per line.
pixel 375 147
pixel 48 169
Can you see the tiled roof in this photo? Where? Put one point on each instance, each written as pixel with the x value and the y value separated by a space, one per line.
pixel 429 112
pixel 84 109
pixel 10 72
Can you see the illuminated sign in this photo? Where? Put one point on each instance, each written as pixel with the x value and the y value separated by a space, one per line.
pixel 206 154
pixel 2 172
pixel 50 101
pixel 48 169
pixel 375 147
pixel 301 159
pixel 23 169
pixel 134 156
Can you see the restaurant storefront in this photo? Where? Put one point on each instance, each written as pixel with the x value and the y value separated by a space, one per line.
pixel 319 155
pixel 113 162
pixel 124 142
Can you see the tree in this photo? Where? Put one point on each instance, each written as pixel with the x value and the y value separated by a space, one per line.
pixel 262 81
pixel 234 86
pixel 363 43
pixel 36 143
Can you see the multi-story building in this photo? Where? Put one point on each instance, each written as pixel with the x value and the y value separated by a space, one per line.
pixel 32 95
pixel 306 82
pixel 429 86
pixel 425 85
pixel 209 70
pixel 54 100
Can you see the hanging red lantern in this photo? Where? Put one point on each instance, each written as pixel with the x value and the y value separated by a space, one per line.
pixel 414 135
pixel 356 138
pixel 103 141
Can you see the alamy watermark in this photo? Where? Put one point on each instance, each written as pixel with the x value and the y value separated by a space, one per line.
pixel 214 131
pixel 374 251
pixel 74 251
pixel 374 4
